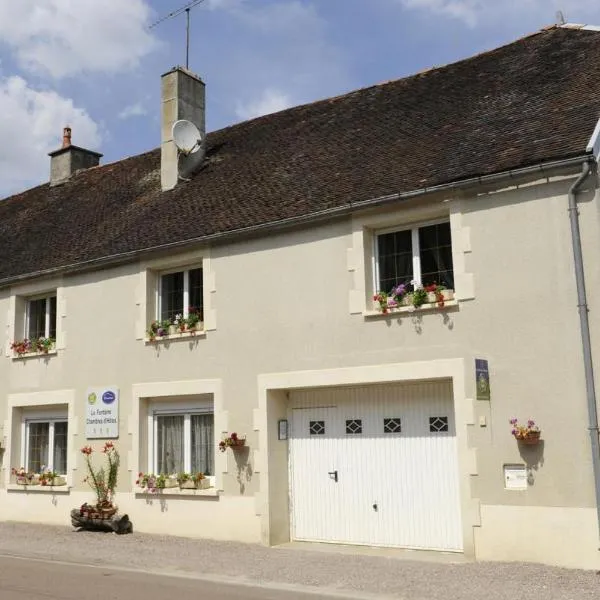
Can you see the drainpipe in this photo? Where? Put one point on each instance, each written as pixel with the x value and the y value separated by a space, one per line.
pixel 585 330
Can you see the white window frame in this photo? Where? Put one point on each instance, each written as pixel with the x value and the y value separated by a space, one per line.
pixel 51 420
pixel 186 289
pixel 172 409
pixel 28 301
pixel 416 248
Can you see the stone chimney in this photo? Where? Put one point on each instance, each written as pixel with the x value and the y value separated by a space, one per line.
pixel 182 97
pixel 68 159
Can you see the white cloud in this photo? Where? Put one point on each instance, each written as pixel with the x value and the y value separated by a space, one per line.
pixel 494 12
pixel 31 126
pixel 133 110
pixel 270 101
pixel 66 37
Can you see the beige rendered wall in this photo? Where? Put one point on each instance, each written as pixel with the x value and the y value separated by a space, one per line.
pixel 293 303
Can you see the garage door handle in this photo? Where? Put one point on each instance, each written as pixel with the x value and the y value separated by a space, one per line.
pixel 334 475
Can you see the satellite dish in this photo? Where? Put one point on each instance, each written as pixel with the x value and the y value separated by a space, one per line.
pixel 186 136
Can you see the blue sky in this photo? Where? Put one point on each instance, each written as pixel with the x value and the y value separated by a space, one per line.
pixel 97 65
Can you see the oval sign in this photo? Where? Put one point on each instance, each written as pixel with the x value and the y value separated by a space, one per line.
pixel 108 397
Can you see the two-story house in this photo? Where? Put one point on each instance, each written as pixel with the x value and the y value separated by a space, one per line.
pixel 287 286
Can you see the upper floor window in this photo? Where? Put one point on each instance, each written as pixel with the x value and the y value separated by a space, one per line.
pixel 179 292
pixel 421 256
pixel 41 317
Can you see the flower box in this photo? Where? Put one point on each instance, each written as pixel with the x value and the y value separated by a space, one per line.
pixel 190 484
pixel 26 481
pixel 170 483
pixel 55 482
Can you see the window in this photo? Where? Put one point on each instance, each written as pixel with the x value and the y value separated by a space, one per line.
pixel 46 445
pixel 182 441
pixel 41 318
pixel 422 255
pixel 178 292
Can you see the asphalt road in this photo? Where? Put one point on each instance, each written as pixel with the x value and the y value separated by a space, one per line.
pixel 26 579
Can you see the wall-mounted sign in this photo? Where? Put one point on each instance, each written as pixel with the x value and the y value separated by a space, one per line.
pixel 515 477
pixel 102 413
pixel 282 429
pixel 482 379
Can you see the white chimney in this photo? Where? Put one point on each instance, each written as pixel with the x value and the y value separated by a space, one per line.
pixel 182 97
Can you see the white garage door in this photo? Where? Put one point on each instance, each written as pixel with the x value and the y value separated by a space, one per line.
pixel 376 465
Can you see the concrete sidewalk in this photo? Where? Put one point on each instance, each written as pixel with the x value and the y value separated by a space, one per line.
pixel 314 567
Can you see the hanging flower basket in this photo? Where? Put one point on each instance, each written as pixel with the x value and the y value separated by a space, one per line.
pixel 233 441
pixel 525 434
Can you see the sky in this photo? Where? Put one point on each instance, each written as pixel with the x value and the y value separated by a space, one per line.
pixel 96 65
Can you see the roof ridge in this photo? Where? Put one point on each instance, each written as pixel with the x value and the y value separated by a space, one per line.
pixel 427 70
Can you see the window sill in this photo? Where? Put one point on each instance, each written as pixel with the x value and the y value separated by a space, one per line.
pixel 34 355
pixel 39 489
pixel 411 310
pixel 214 492
pixel 189 335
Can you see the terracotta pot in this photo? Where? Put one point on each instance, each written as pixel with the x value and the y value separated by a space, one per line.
pixel 531 440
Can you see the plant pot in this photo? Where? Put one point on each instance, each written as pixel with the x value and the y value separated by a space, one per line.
pixel 239 444
pixel 192 485
pixel 173 330
pixel 187 485
pixel 25 481
pixel 531 440
pixel 57 481
pixel 446 295
pixel 170 483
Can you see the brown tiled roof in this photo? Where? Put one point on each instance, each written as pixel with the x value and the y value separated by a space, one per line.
pixel 535 100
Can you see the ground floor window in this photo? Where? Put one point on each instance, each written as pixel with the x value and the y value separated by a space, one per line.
pixel 182 441
pixel 45 445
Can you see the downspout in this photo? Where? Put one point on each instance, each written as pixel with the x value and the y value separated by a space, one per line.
pixel 585 330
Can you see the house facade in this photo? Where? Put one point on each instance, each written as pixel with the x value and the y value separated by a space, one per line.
pixel 365 422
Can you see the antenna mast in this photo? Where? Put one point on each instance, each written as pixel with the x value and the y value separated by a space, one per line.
pixel 184 9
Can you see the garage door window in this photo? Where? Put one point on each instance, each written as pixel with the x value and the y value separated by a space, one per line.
pixel 354 426
pixel 392 425
pixel 438 424
pixel 317 428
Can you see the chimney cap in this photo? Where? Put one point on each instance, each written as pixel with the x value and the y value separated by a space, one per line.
pixel 66 137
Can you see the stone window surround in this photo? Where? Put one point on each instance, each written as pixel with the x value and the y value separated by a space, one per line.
pixel 360 255
pixel 13 428
pixel 164 391
pixel 17 308
pixel 147 291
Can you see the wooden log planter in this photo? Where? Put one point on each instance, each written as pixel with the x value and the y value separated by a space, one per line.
pixel 90 518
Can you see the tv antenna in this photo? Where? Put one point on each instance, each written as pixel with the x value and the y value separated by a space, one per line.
pixel 184 9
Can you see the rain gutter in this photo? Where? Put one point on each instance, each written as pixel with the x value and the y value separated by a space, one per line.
pixel 543 169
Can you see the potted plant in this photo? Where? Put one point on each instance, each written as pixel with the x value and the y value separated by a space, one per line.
pixel 194 319
pixel 438 293
pixel 527 434
pixel 158 329
pixel 154 483
pixel 192 481
pixel 179 324
pixel 51 478
pixel 419 297
pixel 103 481
pixel 232 441
pixel 24 477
